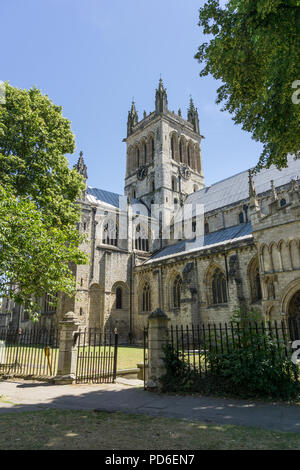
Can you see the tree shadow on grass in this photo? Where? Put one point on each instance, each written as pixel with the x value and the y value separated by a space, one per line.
pixel 132 399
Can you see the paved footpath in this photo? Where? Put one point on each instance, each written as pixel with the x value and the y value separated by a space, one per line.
pixel 128 396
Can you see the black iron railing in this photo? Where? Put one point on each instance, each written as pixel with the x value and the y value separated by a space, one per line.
pixel 196 345
pixel 96 355
pixel 29 352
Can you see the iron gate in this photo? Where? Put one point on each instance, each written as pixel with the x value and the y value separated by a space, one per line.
pixel 97 354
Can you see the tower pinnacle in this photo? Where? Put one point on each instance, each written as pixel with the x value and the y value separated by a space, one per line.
pixel 133 118
pixel 81 167
pixel 161 100
pixel 252 193
pixel 193 117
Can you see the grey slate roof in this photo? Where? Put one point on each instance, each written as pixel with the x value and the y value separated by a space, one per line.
pixel 108 197
pixel 225 235
pixel 104 196
pixel 236 188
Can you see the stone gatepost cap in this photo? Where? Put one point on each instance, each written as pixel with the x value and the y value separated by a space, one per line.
pixel 70 317
pixel 158 313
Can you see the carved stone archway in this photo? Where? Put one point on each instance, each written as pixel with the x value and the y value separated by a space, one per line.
pixel 289 300
pixel 294 306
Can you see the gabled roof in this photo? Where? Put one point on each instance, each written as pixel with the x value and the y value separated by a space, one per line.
pixel 102 197
pixel 236 188
pixel 226 235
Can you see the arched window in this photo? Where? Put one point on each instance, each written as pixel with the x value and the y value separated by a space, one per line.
pixel 219 290
pixel 174 183
pixel 152 185
pixel 258 285
pixel 137 150
pixel 282 202
pixel 145 152
pixel 110 233
pixel 146 298
pixel 118 297
pixel 254 279
pixel 241 217
pixel 141 239
pixel 177 292
pixel 180 152
pixel 197 158
pixel 206 228
pixel 49 304
pixel 173 147
pixel 189 155
pixel 194 225
pixel 151 146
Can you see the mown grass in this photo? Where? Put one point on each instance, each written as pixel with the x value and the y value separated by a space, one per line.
pixel 129 357
pixel 66 429
pixel 32 359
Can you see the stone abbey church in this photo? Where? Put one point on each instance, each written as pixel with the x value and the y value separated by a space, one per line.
pixel 237 245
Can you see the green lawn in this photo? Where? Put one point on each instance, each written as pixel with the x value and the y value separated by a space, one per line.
pixel 32 359
pixel 28 360
pixel 129 357
pixel 61 429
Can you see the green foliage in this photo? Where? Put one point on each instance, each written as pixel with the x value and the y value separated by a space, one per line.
pixel 254 49
pixel 38 192
pixel 256 366
pixel 249 362
pixel 34 141
pixel 243 316
pixel 179 377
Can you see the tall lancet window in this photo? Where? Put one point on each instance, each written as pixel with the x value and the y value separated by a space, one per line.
pixel 219 288
pixel 180 152
pixel 177 292
pixel 141 239
pixel 146 300
pixel 119 298
pixel 145 153
pixel 173 147
pixel 110 233
pixel 152 148
pixel 189 155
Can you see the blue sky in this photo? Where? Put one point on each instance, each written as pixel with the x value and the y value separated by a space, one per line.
pixel 93 56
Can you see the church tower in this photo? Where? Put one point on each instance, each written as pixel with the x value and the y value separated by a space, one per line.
pixel 164 162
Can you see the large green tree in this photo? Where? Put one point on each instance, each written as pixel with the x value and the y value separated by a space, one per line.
pixel 39 240
pixel 254 49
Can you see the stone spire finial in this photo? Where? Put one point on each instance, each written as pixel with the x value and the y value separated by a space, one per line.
pixel 193 117
pixel 274 192
pixel 293 184
pixel 161 100
pixel 192 107
pixel 80 166
pixel 252 192
pixel 133 118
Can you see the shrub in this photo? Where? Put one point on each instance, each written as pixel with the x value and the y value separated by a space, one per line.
pixel 256 368
pixel 251 364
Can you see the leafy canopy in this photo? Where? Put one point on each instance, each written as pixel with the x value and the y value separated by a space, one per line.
pixel 254 49
pixel 39 239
